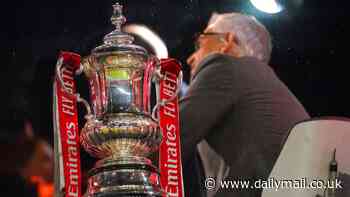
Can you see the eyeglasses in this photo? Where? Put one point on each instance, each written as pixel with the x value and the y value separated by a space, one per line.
pixel 199 35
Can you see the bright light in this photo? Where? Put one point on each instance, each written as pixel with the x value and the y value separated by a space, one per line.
pixel 150 37
pixel 268 6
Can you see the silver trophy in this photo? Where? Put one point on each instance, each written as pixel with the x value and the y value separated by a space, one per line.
pixel 121 129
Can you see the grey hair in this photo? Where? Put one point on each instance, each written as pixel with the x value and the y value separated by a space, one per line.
pixel 253 38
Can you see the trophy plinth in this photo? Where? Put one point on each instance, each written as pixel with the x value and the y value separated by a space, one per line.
pixel 124 176
pixel 121 131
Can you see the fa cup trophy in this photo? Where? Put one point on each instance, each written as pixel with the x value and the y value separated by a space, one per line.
pixel 121 129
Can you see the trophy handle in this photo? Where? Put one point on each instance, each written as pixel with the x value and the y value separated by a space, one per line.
pixel 157 77
pixel 59 66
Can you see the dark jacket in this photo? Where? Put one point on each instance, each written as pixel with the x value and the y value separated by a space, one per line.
pixel 244 112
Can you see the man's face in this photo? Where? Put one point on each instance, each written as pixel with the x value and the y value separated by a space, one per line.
pixel 207 43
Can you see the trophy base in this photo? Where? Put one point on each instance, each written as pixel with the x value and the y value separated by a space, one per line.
pixel 124 176
pixel 126 195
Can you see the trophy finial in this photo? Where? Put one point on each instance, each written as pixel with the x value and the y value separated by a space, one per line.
pixel 118 19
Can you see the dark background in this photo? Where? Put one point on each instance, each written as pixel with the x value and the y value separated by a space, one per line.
pixel 309 52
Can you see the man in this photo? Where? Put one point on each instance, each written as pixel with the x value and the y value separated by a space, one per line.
pixel 27 163
pixel 236 108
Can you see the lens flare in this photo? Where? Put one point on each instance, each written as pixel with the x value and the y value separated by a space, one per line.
pixel 268 6
pixel 150 37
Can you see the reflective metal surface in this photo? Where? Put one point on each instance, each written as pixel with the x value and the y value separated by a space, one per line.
pixel 117 82
pixel 121 130
pixel 121 135
pixel 131 176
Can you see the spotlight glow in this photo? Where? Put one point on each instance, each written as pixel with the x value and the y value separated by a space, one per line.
pixel 158 45
pixel 268 6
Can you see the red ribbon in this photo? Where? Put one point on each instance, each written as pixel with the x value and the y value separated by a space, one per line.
pixel 170 149
pixel 66 127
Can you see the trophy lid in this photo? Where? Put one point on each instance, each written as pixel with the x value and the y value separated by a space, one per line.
pixel 117 40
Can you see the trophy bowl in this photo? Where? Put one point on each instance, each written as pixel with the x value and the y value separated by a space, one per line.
pixel 121 135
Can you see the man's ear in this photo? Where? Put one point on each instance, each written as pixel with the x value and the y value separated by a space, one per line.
pixel 229 43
